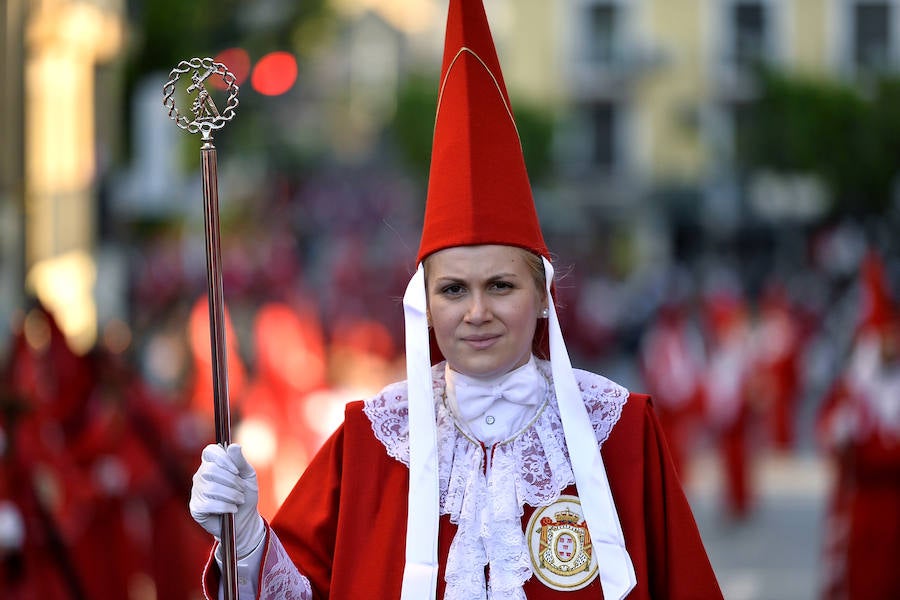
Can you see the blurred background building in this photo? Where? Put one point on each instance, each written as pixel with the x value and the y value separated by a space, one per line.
pixel 715 169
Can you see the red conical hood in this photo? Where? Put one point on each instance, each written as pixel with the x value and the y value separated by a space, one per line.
pixel 478 188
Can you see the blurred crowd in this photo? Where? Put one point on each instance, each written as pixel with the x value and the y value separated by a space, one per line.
pixel 95 475
pixel 745 378
pixel 98 450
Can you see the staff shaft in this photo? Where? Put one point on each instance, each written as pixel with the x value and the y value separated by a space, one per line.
pixel 217 346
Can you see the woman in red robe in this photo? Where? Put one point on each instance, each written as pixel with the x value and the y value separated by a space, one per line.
pixel 481 475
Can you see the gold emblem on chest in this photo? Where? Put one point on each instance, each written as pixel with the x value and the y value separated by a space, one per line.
pixel 560 546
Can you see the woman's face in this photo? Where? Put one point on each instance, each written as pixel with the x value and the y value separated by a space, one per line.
pixel 483 303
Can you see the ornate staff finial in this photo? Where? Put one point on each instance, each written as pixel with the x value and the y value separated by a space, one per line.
pixel 206 116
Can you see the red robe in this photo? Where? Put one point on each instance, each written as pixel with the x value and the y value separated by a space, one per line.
pixel 862 533
pixel 778 371
pixel 344 525
pixel 727 395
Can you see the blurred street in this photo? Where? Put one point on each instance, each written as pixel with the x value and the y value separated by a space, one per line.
pixel 774 555
pixel 775 552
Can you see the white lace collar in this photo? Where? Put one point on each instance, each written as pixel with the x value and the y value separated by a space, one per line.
pixel 532 468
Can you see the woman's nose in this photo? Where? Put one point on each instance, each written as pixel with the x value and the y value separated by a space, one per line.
pixel 479 310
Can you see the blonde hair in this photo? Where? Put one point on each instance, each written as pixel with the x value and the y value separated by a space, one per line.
pixel 536 266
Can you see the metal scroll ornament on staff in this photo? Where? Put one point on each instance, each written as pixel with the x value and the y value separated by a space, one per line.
pixel 207 118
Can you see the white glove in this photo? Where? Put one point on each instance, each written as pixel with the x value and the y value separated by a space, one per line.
pixel 226 483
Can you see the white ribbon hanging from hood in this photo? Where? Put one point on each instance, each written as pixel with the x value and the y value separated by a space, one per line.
pixel 423 513
pixel 616 570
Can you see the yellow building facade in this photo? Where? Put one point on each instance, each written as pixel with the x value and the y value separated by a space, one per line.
pixel 665 75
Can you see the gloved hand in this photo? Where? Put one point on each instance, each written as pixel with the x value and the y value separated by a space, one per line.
pixel 226 483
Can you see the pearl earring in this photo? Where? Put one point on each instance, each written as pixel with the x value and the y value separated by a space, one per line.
pixel 545 313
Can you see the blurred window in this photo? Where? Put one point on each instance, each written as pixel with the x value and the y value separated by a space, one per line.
pixel 603 22
pixel 603 121
pixel 871 35
pixel 749 23
pixel 742 119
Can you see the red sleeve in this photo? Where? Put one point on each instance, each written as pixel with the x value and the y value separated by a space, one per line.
pixel 347 508
pixel 306 523
pixel 680 566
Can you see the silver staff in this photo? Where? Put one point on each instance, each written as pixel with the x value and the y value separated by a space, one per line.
pixel 206 119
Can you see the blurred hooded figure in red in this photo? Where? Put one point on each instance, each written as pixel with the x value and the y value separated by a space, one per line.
pixel 673 363
pixel 858 425
pixel 47 389
pixel 727 394
pixel 777 365
pixel 289 366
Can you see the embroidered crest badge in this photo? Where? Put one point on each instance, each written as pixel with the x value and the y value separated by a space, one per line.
pixel 560 546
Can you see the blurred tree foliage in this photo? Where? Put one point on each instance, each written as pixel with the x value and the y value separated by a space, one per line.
pixel 168 31
pixel 413 123
pixel 847 137
pixel 536 125
pixel 413 126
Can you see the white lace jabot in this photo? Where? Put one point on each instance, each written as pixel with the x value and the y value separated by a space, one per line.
pixel 532 468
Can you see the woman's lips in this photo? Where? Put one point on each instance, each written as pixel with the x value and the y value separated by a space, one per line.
pixel 480 342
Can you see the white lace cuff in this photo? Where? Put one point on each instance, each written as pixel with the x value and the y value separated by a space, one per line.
pixel 280 578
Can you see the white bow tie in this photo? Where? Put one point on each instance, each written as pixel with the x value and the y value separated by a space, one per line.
pixel 524 386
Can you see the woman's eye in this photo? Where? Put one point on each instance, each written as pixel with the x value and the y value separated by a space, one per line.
pixel 452 290
pixel 503 285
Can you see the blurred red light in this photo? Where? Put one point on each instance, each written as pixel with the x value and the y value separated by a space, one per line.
pixel 235 60
pixel 274 74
